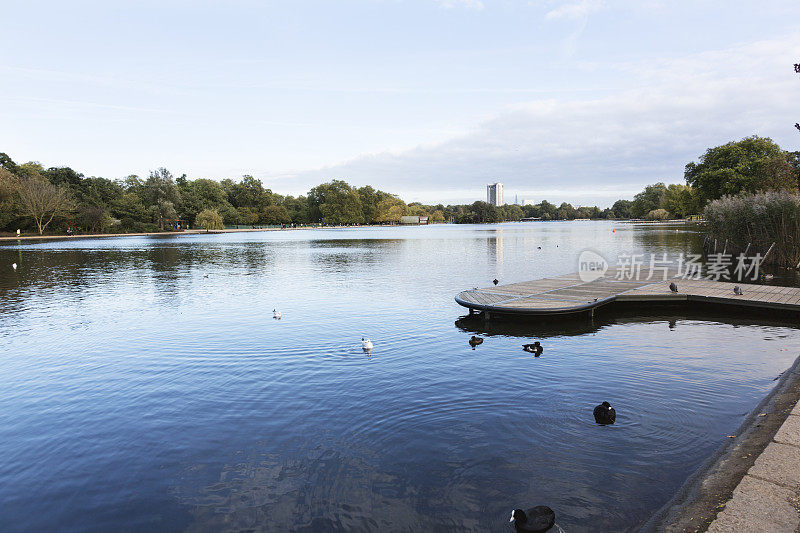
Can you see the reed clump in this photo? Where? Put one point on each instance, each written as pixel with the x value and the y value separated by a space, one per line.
pixel 759 219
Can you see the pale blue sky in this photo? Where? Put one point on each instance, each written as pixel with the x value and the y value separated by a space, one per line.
pixel 578 100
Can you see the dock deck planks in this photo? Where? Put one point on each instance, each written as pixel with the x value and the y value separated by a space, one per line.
pixel 568 294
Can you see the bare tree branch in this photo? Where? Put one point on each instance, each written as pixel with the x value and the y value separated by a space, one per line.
pixel 41 199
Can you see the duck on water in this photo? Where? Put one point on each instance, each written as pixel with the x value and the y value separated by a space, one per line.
pixel 605 414
pixel 534 520
pixel 535 348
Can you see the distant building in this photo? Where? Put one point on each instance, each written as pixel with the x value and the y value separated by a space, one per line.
pixel 413 219
pixel 494 194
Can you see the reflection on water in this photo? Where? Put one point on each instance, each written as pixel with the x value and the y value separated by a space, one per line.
pixel 145 385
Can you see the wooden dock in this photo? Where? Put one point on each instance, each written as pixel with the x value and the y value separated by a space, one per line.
pixel 569 294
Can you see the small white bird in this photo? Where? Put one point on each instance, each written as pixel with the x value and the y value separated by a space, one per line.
pixel 276 314
pixel 366 343
pixel 14 266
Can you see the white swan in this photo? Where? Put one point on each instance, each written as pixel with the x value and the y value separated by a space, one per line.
pixel 366 343
pixel 276 314
pixel 14 266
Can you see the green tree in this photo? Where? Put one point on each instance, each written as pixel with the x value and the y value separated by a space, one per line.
pixel 512 212
pixel 565 212
pixel 209 219
pixel 9 184
pixel 647 200
pixel 248 215
pixel 201 194
pixel 389 210
pixel 482 212
pixel 161 195
pixel 369 198
pixel 63 176
pixel 162 211
pixel 750 165
pixel 7 163
pixel 680 200
pixel 97 192
pixel 247 193
pixel 416 209
pixel 297 209
pixel 93 219
pixel 657 214
pixel 274 215
pixel 130 206
pixel 335 202
pixel 621 209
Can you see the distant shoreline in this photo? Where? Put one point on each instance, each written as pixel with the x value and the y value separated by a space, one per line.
pixel 242 230
pixel 184 232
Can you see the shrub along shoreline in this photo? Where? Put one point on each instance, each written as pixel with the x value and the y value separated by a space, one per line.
pixel 756 221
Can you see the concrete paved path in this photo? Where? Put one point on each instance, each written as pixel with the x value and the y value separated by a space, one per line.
pixel 768 497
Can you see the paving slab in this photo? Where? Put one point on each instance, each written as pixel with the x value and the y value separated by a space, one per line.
pixel 778 463
pixel 758 506
pixel 789 432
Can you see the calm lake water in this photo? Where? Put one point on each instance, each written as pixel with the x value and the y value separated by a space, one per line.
pixel 144 384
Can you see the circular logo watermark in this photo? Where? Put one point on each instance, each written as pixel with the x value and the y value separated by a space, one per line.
pixel 591 266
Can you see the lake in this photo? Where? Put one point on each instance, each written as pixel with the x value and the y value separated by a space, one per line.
pixel 144 384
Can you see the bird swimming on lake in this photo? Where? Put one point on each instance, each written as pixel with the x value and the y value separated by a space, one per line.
pixel 535 348
pixel 474 341
pixel 495 281
pixel 673 287
pixel 604 414
pixel 769 276
pixel 538 247
pixel 276 314
pixel 366 344
pixel 737 291
pixel 534 520
pixel 14 266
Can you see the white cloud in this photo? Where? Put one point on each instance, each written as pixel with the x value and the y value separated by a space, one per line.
pixel 575 10
pixel 468 4
pixel 597 150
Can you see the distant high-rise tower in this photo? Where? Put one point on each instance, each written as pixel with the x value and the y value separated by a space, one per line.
pixel 494 194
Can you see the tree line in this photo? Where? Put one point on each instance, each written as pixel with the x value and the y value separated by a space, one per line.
pixel 59 199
